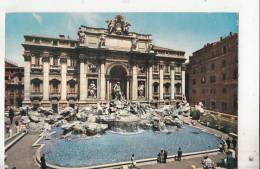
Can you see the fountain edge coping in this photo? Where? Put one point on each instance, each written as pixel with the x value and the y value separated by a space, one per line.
pixel 51 166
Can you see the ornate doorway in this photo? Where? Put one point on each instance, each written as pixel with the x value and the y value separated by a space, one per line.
pixel 118 75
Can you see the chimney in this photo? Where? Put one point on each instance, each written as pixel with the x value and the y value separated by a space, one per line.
pixel 230 33
pixel 221 38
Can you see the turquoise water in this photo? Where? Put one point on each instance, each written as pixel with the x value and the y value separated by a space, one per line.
pixel 115 147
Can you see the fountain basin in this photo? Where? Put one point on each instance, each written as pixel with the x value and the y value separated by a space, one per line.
pixel 113 147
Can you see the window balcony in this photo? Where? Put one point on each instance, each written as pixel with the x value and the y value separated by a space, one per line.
pixel 35 68
pixel 54 69
pixel 72 95
pixel 55 95
pixel 36 95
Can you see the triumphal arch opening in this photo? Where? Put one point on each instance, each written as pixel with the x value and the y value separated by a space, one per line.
pixel 61 72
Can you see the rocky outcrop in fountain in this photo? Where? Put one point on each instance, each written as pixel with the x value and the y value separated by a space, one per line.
pixel 117 115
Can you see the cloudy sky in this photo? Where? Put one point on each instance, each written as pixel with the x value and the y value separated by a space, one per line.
pixel 180 31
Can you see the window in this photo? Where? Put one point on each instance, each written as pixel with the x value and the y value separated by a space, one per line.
pixel 203 80
pixel 37 41
pixel 223 76
pixel 36 87
pixel 224 49
pixel 55 88
pixel 212 66
pixel 224 106
pixel 224 90
pixel 223 64
pixel 235 74
pixel 212 79
pixel 166 68
pixel 55 43
pixel 55 61
pixel 212 91
pixel 37 61
pixel 72 62
pixel 203 91
pixel 71 88
pixel 193 81
pixel 194 91
pixel 194 71
pixel 213 105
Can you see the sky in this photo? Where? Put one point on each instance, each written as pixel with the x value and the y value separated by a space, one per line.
pixel 180 31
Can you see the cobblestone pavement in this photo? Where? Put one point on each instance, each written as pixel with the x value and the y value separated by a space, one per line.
pixel 21 155
pixel 184 164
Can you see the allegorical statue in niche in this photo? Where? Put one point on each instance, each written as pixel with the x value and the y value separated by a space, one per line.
pixel 141 89
pixel 102 41
pixel 92 67
pixel 92 89
pixel 81 35
pixel 117 91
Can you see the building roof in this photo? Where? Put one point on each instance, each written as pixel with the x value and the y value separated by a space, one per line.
pixel 48 37
pixel 155 47
pixel 208 45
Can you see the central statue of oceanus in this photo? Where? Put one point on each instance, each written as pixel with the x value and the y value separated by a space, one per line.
pixel 117 91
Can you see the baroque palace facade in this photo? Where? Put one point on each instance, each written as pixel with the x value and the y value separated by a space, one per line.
pixel 61 72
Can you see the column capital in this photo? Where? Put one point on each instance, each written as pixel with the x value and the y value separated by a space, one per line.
pixel 183 67
pixel 27 55
pixel 82 57
pixel 45 56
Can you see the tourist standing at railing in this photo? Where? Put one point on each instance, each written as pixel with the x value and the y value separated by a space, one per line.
pixel 17 125
pixel 11 115
pixel 43 162
pixel 179 154
pixel 234 142
pixel 133 165
pixel 228 142
pixel 165 154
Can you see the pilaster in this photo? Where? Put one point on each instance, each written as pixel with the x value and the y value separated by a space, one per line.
pixel 172 80
pixel 46 69
pixel 134 80
pixel 63 62
pixel 150 81
pixel 82 74
pixel 161 82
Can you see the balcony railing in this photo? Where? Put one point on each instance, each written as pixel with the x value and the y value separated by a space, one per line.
pixel 36 68
pixel 54 69
pixel 72 95
pixel 36 95
pixel 167 95
pixel 156 93
pixel 55 95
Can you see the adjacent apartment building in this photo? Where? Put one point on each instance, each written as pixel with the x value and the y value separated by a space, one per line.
pixel 213 75
pixel 13 84
pixel 62 72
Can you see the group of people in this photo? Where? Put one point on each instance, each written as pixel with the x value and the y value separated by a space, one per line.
pixel 162 156
pixel 226 144
pixel 14 122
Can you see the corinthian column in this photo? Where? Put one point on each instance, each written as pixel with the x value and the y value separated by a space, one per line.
pixel 134 82
pixel 172 81
pixel 150 81
pixel 82 78
pixel 183 80
pixel 46 70
pixel 63 61
pixel 102 81
pixel 161 82
pixel 27 70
